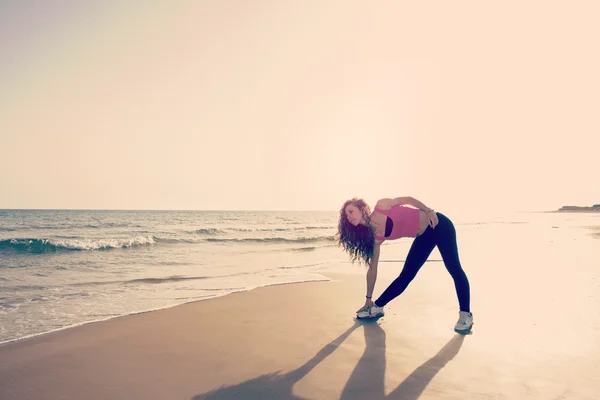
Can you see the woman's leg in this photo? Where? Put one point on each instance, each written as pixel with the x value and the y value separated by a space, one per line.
pixel 419 252
pixel 446 241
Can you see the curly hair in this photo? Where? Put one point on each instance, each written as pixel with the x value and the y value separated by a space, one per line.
pixel 358 241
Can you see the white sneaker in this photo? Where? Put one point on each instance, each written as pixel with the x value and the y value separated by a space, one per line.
pixel 373 312
pixel 465 322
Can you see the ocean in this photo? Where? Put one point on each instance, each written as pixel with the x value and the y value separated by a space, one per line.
pixel 60 268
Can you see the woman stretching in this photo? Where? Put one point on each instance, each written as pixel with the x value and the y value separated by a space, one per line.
pixel 361 233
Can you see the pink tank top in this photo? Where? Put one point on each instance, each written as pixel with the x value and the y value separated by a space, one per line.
pixel 405 219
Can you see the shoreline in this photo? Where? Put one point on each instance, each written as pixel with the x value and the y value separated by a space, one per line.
pixel 151 310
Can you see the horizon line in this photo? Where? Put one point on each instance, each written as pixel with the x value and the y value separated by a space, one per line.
pixel 206 210
pixel 152 209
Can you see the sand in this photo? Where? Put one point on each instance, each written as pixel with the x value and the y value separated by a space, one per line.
pixel 301 341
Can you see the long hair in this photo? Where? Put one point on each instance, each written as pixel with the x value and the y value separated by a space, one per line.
pixel 358 241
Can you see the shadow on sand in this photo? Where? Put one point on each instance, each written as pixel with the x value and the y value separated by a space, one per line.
pixel 365 382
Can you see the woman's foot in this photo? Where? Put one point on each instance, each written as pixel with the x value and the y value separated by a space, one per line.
pixel 373 312
pixel 465 322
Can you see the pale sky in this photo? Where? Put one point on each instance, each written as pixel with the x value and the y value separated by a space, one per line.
pixel 298 105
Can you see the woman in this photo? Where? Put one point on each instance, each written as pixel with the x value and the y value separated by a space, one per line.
pixel 361 233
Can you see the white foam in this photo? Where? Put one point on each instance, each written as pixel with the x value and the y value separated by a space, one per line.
pixel 90 244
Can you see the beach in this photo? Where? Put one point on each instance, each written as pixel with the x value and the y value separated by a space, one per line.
pixel 174 220
pixel 535 298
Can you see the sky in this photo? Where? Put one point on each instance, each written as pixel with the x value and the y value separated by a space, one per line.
pixel 298 105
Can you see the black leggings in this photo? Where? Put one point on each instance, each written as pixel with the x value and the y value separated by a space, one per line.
pixel 444 236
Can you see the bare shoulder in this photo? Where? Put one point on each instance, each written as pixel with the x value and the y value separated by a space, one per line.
pixel 385 204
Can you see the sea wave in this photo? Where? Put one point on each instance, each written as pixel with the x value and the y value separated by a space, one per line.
pixel 64 226
pixel 286 229
pixel 310 248
pixel 174 240
pixel 215 231
pixel 273 240
pixel 208 231
pixel 41 245
pixel 297 266
pixel 174 278
pixel 53 245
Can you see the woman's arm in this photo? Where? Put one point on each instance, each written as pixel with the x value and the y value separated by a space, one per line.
pixel 372 272
pixel 371 277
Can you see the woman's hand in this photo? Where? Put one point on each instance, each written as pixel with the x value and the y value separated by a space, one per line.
pixel 432 218
pixel 367 305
